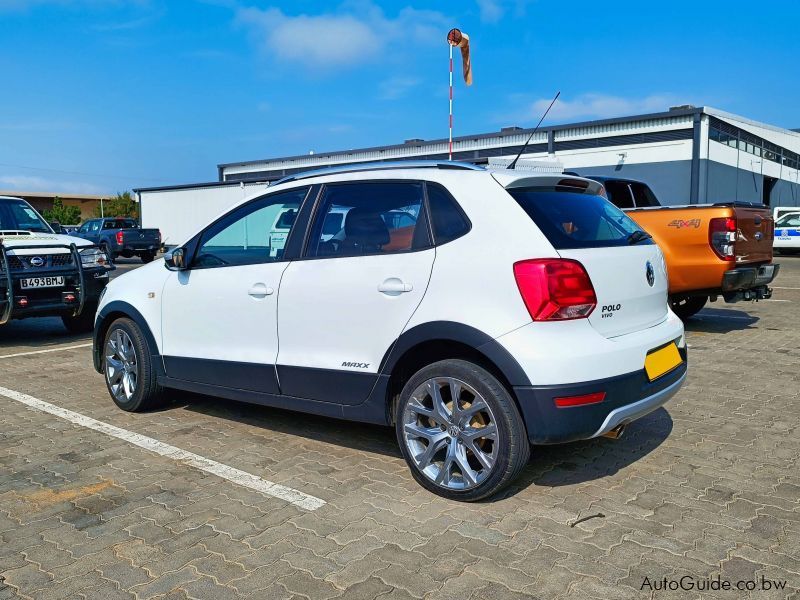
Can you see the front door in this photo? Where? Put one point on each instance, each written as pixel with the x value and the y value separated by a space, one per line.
pixel 219 317
pixel 365 271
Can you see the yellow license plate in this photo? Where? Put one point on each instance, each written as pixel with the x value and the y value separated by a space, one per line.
pixel 662 361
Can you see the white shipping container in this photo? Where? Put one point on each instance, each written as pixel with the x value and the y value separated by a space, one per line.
pixel 181 212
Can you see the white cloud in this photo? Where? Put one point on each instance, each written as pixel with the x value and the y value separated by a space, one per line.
pixel 355 33
pixel 491 10
pixel 397 87
pixel 34 183
pixel 598 106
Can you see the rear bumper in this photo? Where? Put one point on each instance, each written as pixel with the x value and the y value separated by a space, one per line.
pixel 628 397
pixel 746 278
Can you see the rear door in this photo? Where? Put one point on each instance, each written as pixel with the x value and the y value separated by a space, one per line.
pixel 343 305
pixel 626 268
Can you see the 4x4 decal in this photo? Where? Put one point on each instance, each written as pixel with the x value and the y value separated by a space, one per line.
pixel 681 223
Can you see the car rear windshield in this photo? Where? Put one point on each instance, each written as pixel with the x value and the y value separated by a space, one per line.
pixel 572 219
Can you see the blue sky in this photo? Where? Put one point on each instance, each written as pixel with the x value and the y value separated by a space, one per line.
pixel 105 95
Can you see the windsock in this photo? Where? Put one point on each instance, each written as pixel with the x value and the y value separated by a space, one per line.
pixel 459 39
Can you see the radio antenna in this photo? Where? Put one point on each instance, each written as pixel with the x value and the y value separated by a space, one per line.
pixel 535 129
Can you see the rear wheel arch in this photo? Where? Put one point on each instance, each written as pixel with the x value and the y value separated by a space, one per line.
pixel 441 340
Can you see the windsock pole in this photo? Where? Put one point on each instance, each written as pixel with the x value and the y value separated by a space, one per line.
pixel 450 141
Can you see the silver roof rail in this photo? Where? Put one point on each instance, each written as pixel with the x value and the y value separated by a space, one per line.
pixel 382 166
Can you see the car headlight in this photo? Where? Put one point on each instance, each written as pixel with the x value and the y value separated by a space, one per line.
pixel 93 257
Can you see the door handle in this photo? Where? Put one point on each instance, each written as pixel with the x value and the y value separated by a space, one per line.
pixel 394 287
pixel 259 290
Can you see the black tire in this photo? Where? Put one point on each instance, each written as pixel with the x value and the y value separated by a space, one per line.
pixel 513 450
pixel 688 307
pixel 147 257
pixel 147 394
pixel 83 323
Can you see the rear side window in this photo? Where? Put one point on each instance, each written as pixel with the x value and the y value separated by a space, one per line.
pixel 619 194
pixel 643 195
pixel 449 222
pixel 575 220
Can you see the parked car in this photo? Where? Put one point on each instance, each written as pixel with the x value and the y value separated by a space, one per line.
pixel 787 234
pixel 122 237
pixel 522 309
pixel 711 250
pixel 45 274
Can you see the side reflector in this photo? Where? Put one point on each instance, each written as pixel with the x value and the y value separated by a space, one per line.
pixel 565 401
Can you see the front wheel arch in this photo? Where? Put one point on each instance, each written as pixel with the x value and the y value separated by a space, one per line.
pixel 116 310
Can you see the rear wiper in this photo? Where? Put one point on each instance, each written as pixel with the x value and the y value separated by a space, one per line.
pixel 637 236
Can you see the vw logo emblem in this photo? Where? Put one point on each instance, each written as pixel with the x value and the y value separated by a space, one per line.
pixel 37 261
pixel 650 273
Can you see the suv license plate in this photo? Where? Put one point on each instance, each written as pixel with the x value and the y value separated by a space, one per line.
pixel 662 361
pixel 41 282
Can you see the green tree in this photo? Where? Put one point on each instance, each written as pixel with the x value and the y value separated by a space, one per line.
pixel 121 205
pixel 66 215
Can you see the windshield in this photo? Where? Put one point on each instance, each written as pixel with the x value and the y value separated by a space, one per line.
pixel 577 220
pixel 19 215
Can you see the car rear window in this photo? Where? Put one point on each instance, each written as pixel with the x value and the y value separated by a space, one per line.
pixel 576 220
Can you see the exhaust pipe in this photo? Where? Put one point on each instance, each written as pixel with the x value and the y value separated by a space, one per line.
pixel 615 433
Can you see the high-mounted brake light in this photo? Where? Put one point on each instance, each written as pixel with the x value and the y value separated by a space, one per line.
pixel 120 237
pixel 722 237
pixel 555 289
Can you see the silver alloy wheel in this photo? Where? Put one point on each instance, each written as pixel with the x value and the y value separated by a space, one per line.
pixel 122 366
pixel 451 433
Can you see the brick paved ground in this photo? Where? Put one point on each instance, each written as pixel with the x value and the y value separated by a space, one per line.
pixel 710 486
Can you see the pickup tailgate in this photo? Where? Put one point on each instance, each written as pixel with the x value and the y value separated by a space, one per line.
pixel 141 239
pixel 754 236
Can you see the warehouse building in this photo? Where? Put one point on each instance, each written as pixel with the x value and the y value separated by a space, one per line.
pixel 688 155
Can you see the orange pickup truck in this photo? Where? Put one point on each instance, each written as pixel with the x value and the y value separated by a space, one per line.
pixel 711 250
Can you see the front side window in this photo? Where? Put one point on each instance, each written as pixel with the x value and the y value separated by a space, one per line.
pixel 251 234
pixel 578 220
pixel 356 219
pixel 95 226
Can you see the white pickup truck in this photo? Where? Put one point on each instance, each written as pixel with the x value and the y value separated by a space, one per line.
pixel 43 273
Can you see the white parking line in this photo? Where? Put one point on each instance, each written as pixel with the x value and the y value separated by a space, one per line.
pixel 45 351
pixel 777 287
pixel 232 474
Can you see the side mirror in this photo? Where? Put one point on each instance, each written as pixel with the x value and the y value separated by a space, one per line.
pixel 176 260
pixel 56 226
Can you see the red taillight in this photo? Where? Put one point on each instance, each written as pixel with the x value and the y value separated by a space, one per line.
pixel 120 238
pixel 555 289
pixel 722 237
pixel 566 401
pixel 22 301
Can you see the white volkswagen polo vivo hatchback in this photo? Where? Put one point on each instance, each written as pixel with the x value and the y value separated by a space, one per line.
pixel 476 311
